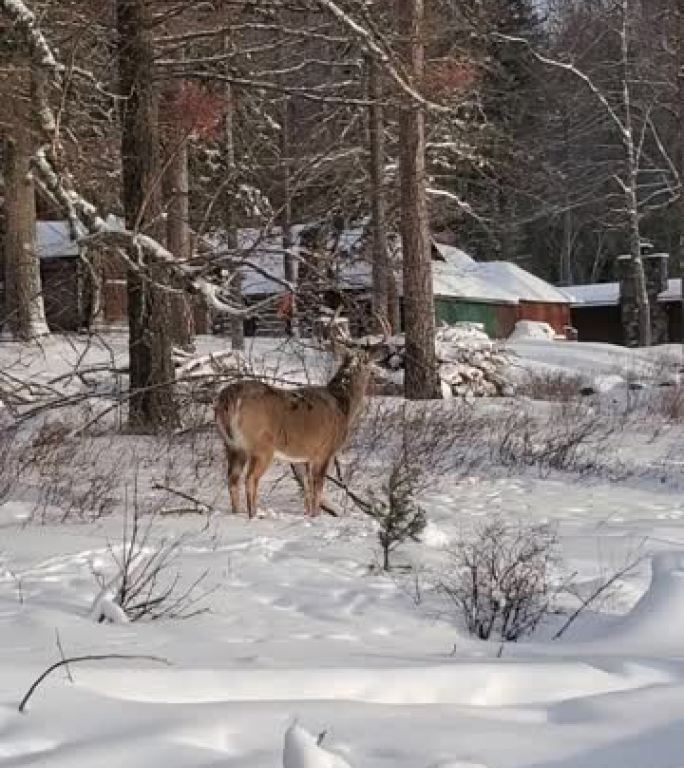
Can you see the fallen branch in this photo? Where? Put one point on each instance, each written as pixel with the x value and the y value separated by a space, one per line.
pixel 208 508
pixel 363 504
pixel 64 662
pixel 326 506
pixel 586 602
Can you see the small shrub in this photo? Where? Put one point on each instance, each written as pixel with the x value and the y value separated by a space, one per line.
pixel 8 470
pixel 74 475
pixel 572 437
pixel 668 403
pixel 398 516
pixel 551 386
pixel 440 437
pixel 501 579
pixel 146 583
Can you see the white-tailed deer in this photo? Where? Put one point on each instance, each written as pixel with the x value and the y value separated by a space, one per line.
pixel 307 425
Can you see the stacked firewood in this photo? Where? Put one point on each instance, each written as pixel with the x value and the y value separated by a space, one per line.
pixel 471 365
pixel 202 377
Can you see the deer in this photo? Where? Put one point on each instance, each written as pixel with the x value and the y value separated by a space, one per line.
pixel 307 425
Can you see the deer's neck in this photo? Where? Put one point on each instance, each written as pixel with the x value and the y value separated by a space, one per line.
pixel 346 390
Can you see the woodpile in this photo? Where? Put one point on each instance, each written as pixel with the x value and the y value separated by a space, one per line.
pixel 200 378
pixel 471 365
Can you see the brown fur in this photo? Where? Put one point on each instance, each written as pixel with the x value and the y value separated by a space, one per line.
pixel 305 425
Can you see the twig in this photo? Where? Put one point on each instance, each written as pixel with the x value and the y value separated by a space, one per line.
pixel 76 660
pixel 325 505
pixel 181 511
pixel 596 594
pixel 186 497
pixel 363 504
pixel 61 653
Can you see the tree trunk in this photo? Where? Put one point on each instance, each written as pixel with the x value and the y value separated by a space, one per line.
pixel 152 403
pixel 175 190
pixel 393 302
pixel 630 190
pixel 237 325
pixel 679 161
pixel 421 374
pixel 376 144
pixel 289 264
pixel 25 313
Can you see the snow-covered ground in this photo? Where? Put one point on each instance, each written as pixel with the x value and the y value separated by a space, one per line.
pixel 302 625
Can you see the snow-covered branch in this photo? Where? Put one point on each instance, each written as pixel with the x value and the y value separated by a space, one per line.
pixel 371 45
pixel 576 72
pixel 83 216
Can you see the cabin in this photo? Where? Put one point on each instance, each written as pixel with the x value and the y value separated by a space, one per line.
pixel 600 311
pixel 496 294
pixel 84 286
pixel 86 289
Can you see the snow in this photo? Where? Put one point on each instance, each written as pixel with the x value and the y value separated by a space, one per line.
pixel 305 636
pixel 673 291
pixel 453 280
pixel 595 294
pixel 525 285
pixel 53 240
pixel 608 294
pixel 532 329
pixel 300 750
pixel 455 274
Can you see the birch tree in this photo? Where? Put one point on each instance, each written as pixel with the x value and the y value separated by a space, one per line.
pixel 24 309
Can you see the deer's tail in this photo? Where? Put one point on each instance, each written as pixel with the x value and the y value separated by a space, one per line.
pixel 226 410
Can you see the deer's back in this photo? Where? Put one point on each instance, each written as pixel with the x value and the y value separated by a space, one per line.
pixel 300 424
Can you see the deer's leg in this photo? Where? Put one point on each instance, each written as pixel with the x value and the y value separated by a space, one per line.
pixel 309 492
pixel 302 475
pixel 258 464
pixel 236 463
pixel 317 475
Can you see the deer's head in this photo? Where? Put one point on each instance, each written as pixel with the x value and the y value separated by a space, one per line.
pixel 351 381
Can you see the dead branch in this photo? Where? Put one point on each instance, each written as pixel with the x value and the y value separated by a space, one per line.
pixel 326 506
pixel 64 662
pixel 600 589
pixel 207 508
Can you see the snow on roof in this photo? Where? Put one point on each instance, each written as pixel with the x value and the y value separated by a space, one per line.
pixel 53 240
pixel 608 294
pixel 525 285
pixel 490 281
pixel 455 274
pixel 469 283
pixel 673 291
pixel 454 257
pixel 266 252
pixel 595 294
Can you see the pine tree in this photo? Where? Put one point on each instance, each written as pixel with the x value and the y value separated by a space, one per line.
pixel 398 516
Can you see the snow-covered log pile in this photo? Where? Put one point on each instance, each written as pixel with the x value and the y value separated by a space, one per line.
pixel 471 365
pixel 201 377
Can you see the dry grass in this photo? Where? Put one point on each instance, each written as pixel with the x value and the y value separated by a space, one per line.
pixel 552 386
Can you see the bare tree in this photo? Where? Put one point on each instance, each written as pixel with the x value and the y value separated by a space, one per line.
pixel 152 404
pixel 23 296
pixel 376 146
pixel 176 189
pixel 421 374
pixel 630 184
pixel 237 329
pixel 646 177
